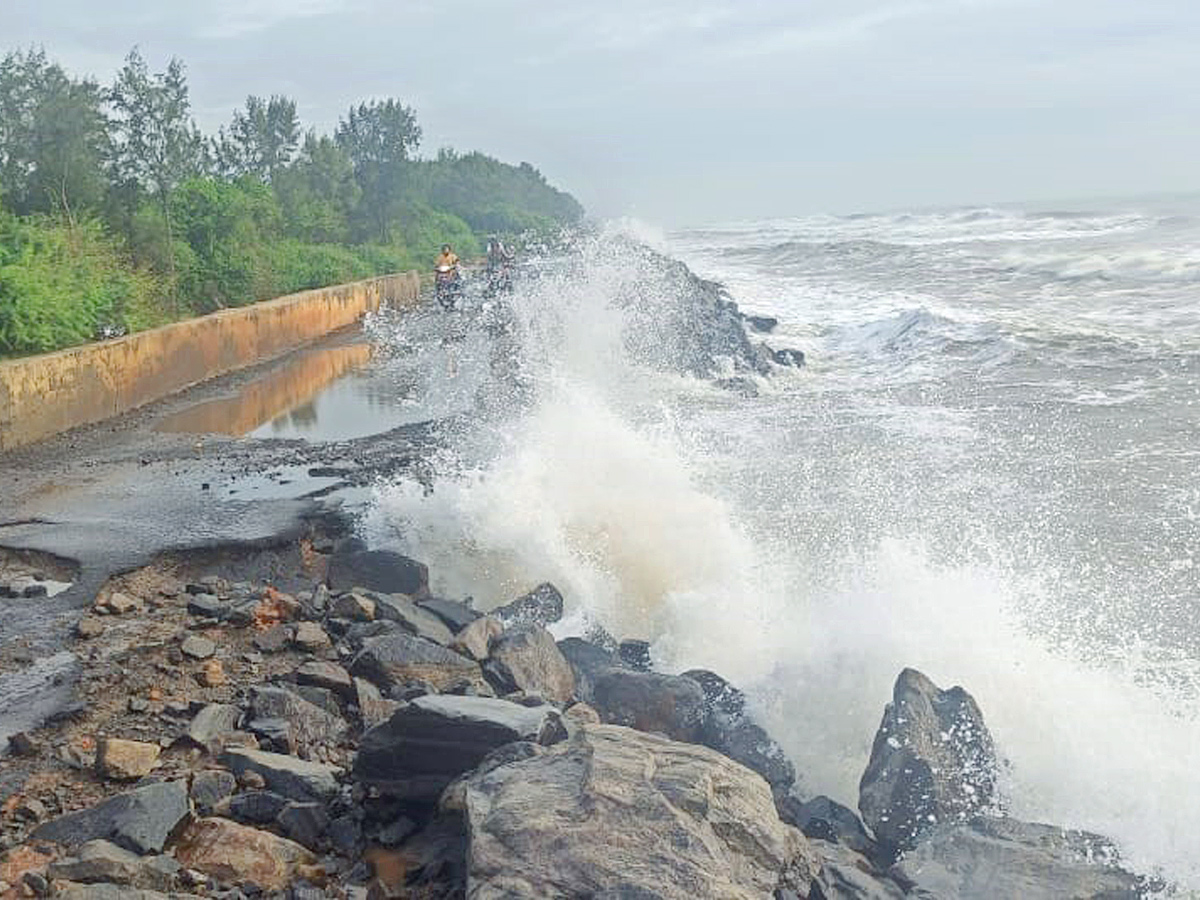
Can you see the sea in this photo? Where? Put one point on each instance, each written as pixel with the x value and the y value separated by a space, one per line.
pixel 989 470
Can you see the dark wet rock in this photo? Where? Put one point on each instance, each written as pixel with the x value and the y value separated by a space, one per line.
pixel 326 675
pixel 525 658
pixel 391 660
pixel 211 722
pixel 320 697
pixel 304 823
pixel 207 606
pixel 1002 857
pixel 742 386
pixel 933 762
pixel 377 570
pixel 103 861
pixel 728 728
pixel 21 744
pixel 307 728
pixel 373 707
pixel 34 884
pixel 635 654
pixel 413 618
pixel 140 820
pixel 354 607
pixel 788 357
pixel 667 704
pixel 197 647
pixel 541 606
pixel 588 660
pixel 475 639
pixel 617 813
pixel 456 616
pixel 395 832
pixel 238 854
pixel 431 741
pixel 257 807
pixel 345 835
pixel 761 324
pixel 274 640
pixel 827 820
pixel 847 875
pixel 296 779
pixel 210 787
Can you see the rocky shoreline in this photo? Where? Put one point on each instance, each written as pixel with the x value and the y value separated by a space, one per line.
pixel 307 720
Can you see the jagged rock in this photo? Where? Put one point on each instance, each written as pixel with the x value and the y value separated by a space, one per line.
pixel 207 606
pixel 848 875
pixel 21 744
pixel 198 647
pixel 141 820
pixel 525 658
pixel 617 813
pixel 932 762
pixel 89 627
pixel 69 891
pixel 429 742
pixel 824 819
pixel 455 615
pixel 729 729
pixel 541 606
pixel 588 659
pixel 103 861
pixel 296 779
pixel 307 728
pixel 311 637
pixel 123 760
pixel 635 654
pixel 391 660
pixel 238 854
pixel 1001 857
pixel 414 619
pixel 787 357
pixel 326 675
pixel 763 324
pixel 210 787
pixel 304 823
pixel 475 639
pixel 211 722
pixel 121 603
pixel 373 707
pixel 354 607
pixel 377 570
pixel 275 639
pixel 667 704
pixel 257 807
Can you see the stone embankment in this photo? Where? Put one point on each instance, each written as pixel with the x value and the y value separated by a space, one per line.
pixel 326 727
pixel 44 395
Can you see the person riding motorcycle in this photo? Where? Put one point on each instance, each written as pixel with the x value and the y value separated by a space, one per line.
pixel 499 258
pixel 446 277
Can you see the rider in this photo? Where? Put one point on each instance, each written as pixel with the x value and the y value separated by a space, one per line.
pixel 498 256
pixel 448 259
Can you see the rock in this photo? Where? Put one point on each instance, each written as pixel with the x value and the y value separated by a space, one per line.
pixel 211 722
pixel 414 619
pixel 30 809
pixel 729 729
pixel 582 713
pixel 588 659
pixel 210 787
pixel 307 728
pixel 238 854
pixel 21 744
pixel 667 704
pixel 123 760
pixel 525 658
pixel 311 637
pixel 35 884
pixel 326 675
pixel 541 606
pixel 257 807
pixel 207 606
pixel 827 820
pixel 787 357
pixel 456 616
pixel 616 813
pixel 140 820
pixel 304 823
pixel 475 639
pixel 212 674
pixel 932 762
pixel 89 627
pixel 395 833
pixel 198 647
pixel 121 603
pixel 429 742
pixel 373 708
pixel 390 660
pixel 636 655
pixel 354 607
pixel 377 570
pixel 764 324
pixel 275 639
pixel 345 835
pixel 102 861
pixel 296 779
pixel 1001 857
pixel 847 875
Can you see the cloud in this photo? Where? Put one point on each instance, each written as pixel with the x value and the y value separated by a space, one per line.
pixel 238 18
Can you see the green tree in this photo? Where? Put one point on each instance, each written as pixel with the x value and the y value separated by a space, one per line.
pixel 378 137
pixel 53 137
pixel 318 192
pixel 261 140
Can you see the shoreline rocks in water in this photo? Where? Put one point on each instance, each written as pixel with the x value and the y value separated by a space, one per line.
pixel 428 750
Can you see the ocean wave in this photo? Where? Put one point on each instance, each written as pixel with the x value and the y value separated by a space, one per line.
pixel 1138 264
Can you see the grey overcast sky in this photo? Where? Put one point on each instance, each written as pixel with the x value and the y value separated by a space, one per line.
pixel 684 111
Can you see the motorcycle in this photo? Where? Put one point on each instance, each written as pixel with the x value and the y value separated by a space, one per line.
pixel 447 286
pixel 499 281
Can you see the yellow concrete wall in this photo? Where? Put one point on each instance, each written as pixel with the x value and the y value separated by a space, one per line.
pixel 45 395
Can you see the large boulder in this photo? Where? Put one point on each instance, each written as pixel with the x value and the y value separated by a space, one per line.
pixel 728 728
pixel 296 779
pixel 431 741
pixel 239 854
pixel 1001 857
pixel 827 820
pixel 377 570
pixel 103 861
pixel 589 660
pixel 525 658
pixel 848 875
pixel 667 704
pixel 141 820
pixel 541 606
pixel 393 659
pixel 412 618
pixel 616 813
pixel 933 762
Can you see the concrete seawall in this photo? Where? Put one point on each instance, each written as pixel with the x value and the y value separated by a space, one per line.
pixel 44 395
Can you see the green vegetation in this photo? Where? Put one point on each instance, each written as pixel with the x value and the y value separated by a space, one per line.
pixel 116 211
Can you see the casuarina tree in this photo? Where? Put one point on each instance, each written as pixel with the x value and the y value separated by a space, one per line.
pixel 379 137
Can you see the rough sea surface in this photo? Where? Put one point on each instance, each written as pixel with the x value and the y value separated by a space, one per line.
pixel 988 471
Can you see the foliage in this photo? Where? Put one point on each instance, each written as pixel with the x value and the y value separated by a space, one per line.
pixel 378 137
pixel 262 139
